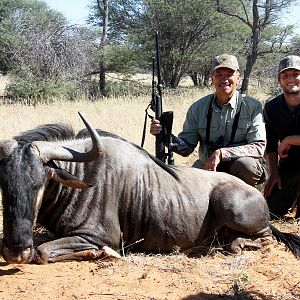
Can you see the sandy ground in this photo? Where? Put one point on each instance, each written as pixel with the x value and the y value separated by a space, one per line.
pixel 269 273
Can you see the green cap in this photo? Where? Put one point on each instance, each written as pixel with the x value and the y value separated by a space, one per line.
pixel 225 61
pixel 289 62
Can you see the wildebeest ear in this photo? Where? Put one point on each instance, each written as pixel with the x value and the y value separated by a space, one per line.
pixel 65 178
pixel 6 148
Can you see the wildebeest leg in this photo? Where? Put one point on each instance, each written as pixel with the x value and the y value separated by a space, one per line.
pixel 238 242
pixel 71 248
pixel 242 210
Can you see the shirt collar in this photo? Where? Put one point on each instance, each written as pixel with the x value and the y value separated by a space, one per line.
pixel 232 102
pixel 284 104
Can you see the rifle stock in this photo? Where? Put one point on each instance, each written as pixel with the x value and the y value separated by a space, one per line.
pixel 159 139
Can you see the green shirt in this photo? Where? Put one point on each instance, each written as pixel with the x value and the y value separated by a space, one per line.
pixel 250 129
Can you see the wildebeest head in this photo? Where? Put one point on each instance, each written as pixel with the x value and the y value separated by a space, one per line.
pixel 25 169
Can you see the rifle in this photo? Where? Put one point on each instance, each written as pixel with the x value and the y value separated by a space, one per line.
pixel 165 118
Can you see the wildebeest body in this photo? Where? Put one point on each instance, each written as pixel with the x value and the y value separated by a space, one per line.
pixel 132 198
pixel 142 201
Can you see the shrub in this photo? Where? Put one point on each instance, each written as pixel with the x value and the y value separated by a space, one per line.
pixel 27 88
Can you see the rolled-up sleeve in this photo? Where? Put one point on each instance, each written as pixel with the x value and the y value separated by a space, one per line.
pixel 255 149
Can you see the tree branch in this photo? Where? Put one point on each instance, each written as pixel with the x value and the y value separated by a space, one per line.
pixel 221 9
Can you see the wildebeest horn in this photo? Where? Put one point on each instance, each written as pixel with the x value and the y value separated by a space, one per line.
pixel 51 151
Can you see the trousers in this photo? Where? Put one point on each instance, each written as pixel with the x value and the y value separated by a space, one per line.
pixel 281 200
pixel 251 170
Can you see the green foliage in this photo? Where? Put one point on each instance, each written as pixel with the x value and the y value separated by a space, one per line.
pixel 126 88
pixel 49 58
pixel 295 45
pixel 45 56
pixel 37 88
pixel 118 88
pixel 121 59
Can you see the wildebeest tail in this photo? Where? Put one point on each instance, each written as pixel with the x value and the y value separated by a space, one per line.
pixel 292 241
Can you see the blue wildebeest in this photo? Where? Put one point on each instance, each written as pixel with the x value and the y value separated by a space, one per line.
pixel 92 200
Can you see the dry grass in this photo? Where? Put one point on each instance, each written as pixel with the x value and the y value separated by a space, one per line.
pixel 123 116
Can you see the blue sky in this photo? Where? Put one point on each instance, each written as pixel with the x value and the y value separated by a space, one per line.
pixel 77 11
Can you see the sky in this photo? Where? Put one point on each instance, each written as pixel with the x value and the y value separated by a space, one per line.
pixel 76 11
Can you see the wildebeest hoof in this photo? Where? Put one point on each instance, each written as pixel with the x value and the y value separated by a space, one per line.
pixel 110 253
pixel 40 257
pixel 21 257
pixel 239 244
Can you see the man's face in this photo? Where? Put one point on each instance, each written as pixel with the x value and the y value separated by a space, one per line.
pixel 289 81
pixel 225 81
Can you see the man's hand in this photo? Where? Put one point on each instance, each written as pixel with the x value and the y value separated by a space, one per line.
pixel 283 148
pixel 286 144
pixel 212 162
pixel 155 127
pixel 273 180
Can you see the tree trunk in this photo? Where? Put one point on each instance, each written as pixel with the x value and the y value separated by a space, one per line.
pixel 195 78
pixel 102 83
pixel 206 77
pixel 250 62
pixel 252 55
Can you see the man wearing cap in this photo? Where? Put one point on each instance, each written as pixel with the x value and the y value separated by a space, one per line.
pixel 282 117
pixel 229 127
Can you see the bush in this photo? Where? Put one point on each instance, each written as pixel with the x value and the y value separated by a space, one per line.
pixel 26 88
pixel 117 87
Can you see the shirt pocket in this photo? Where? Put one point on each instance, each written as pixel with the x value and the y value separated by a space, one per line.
pixel 242 130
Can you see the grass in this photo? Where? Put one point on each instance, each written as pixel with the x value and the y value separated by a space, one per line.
pixel 123 116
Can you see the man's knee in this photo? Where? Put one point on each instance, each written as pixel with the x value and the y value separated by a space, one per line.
pixel 248 169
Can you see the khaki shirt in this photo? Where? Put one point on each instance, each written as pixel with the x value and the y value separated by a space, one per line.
pixel 250 136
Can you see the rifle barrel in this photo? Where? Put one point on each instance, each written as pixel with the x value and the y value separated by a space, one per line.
pixel 159 140
pixel 159 83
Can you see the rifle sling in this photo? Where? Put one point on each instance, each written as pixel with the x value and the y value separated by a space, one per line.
pixel 235 121
pixel 145 125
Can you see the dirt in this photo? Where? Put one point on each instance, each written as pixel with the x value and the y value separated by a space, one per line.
pixel 271 272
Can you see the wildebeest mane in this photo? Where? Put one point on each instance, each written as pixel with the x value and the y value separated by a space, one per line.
pixel 46 132
pixel 84 133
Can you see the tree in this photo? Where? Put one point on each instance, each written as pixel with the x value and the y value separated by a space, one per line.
pixel 229 40
pixel 261 17
pixel 47 55
pixel 183 26
pixel 8 40
pixel 295 45
pixel 103 42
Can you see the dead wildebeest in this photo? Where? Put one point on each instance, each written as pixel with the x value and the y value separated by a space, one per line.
pixel 92 200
